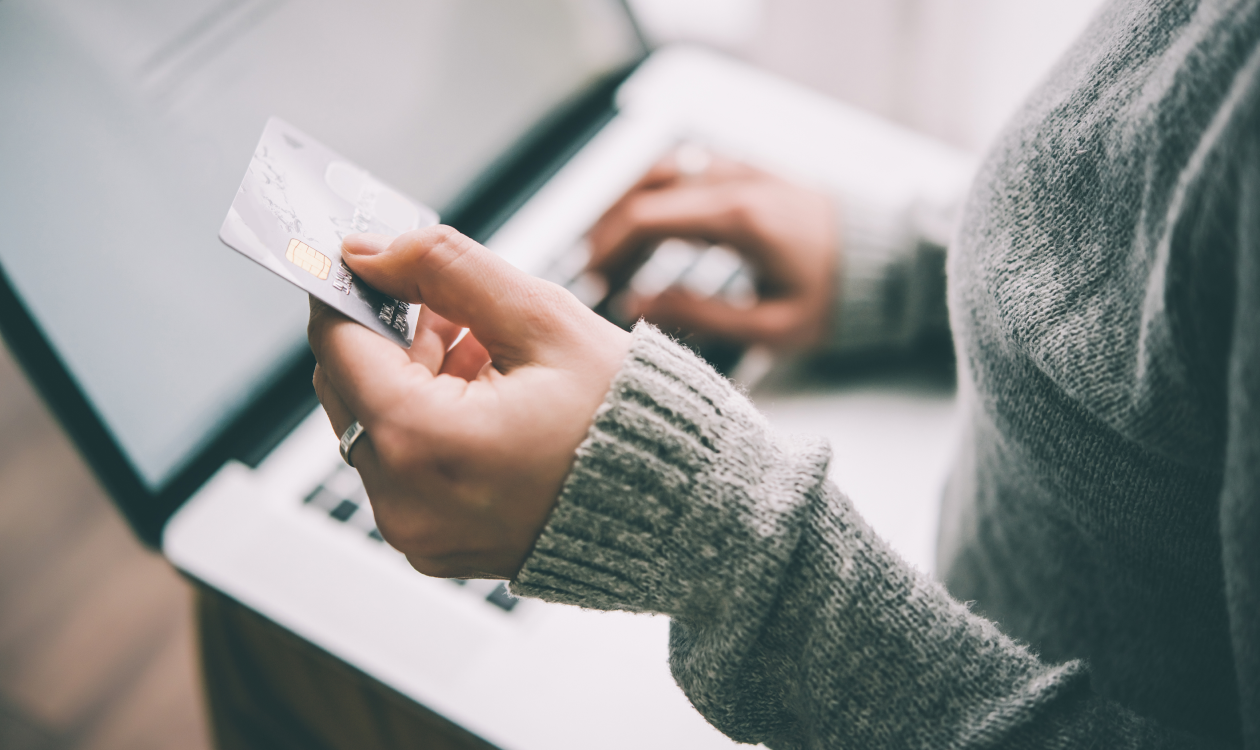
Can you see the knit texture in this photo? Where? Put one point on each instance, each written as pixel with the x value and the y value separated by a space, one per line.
pixel 793 623
pixel 1104 512
pixel 890 277
pixel 1105 323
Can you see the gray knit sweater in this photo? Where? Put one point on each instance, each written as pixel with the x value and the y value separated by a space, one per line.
pixel 1104 515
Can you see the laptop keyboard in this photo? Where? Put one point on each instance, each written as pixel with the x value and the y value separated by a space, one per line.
pixel 705 269
pixel 341 497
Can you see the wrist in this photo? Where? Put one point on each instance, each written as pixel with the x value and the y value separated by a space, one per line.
pixel 665 499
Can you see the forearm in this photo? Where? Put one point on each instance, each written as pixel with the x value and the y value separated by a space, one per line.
pixel 794 624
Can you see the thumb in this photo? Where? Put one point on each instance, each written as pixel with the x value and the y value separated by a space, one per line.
pixel 509 311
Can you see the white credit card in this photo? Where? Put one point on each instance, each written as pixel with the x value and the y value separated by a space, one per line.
pixel 298 200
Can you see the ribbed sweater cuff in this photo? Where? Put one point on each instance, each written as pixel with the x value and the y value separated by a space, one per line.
pixel 647 518
pixel 791 618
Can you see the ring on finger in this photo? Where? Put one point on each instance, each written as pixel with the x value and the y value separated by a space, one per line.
pixel 348 439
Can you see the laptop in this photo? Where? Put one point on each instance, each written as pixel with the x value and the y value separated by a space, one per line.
pixel 181 370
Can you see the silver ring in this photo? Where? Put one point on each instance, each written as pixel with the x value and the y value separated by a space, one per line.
pixel 349 438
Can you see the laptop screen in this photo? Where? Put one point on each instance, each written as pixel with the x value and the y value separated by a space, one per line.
pixel 125 128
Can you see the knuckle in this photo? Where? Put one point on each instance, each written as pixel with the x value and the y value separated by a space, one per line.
pixel 432 247
pixel 449 242
pixel 455 458
pixel 451 462
pixel 447 234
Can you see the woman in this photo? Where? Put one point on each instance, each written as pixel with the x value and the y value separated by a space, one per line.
pixel 1104 513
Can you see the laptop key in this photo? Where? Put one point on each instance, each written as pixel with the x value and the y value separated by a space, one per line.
pixel 344 510
pixel 323 499
pixel 501 598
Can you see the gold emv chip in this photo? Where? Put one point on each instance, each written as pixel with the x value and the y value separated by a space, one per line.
pixel 308 258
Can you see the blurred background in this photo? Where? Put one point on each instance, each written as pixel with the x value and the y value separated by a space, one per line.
pixel 96 639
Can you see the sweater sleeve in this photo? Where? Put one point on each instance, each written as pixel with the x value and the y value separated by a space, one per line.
pixel 890 278
pixel 793 623
pixel 1240 494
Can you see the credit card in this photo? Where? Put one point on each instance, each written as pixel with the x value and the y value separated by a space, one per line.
pixel 298 200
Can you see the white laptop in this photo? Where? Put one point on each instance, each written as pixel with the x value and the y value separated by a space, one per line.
pixel 180 369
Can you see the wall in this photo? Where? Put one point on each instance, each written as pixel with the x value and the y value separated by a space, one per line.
pixel 952 68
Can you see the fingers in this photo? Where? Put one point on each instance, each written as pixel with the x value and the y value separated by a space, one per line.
pixel 369 372
pixel 614 243
pixel 720 213
pixel 462 282
pixel 777 323
pixel 339 415
pixel 433 337
pixel 467 359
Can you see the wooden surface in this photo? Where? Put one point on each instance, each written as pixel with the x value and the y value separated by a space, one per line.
pixel 96 634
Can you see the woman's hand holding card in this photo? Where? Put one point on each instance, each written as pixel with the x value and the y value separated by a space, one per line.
pixel 465 446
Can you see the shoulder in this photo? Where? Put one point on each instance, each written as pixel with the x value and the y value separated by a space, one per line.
pixel 1097 241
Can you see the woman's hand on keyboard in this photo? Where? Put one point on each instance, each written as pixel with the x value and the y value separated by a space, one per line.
pixel 786 232
pixel 466 446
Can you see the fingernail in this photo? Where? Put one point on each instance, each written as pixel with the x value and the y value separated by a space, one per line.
pixel 365 244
